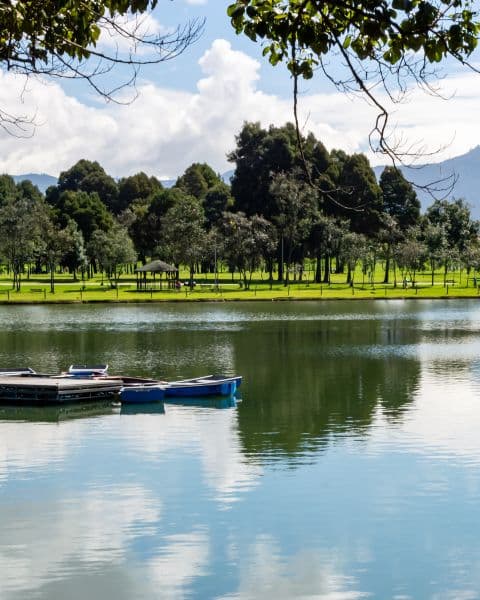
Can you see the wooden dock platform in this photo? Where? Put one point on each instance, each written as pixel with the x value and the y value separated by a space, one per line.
pixel 38 390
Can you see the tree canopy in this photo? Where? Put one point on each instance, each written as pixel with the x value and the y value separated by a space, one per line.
pixel 374 39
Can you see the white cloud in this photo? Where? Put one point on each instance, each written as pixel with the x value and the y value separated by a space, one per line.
pixel 264 573
pixel 74 530
pixel 165 130
pixel 121 33
pixel 211 436
pixel 42 447
pixel 185 557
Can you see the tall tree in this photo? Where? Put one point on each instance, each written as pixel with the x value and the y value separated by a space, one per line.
pixel 296 203
pixel 19 235
pixel 259 155
pixel 456 219
pixel 247 241
pixel 90 177
pixel 87 210
pixel 353 247
pixel 197 180
pixel 359 196
pixel 55 243
pixel 113 250
pixel 217 200
pixel 8 189
pixel 75 258
pixel 184 233
pixel 134 188
pixel 436 243
pixel 399 198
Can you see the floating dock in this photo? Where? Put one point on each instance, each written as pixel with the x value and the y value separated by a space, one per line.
pixel 38 390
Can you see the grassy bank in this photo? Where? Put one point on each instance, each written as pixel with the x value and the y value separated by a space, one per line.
pixel 37 290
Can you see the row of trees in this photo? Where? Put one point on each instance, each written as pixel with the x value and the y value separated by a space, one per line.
pixel 282 209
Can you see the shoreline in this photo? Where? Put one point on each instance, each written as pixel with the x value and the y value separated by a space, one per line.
pixel 233 300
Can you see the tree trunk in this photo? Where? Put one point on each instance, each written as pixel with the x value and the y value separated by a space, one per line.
pixel 318 269
pixel 326 274
pixel 52 279
pixel 387 270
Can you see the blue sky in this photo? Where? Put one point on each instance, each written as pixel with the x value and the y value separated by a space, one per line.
pixel 190 109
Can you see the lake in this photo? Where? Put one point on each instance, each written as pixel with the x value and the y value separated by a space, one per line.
pixel 348 468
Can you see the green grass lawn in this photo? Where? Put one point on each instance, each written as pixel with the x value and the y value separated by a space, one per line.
pixel 36 289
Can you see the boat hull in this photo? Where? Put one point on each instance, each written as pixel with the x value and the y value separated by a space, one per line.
pixel 200 388
pixel 142 394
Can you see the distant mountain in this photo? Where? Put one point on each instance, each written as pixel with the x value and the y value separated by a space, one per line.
pixel 42 180
pixel 168 183
pixel 227 176
pixel 465 169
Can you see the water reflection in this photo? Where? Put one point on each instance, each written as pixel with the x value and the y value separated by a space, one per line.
pixel 55 414
pixel 69 535
pixel 266 573
pixel 152 408
pixel 349 470
pixel 221 403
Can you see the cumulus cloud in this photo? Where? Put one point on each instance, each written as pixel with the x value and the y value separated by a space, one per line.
pixel 213 437
pixel 264 573
pixel 121 34
pixel 165 130
pixel 83 528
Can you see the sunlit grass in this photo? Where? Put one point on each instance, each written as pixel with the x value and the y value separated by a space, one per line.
pixel 36 289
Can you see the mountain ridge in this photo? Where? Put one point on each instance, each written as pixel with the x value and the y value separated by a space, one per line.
pixel 465 168
pixel 463 171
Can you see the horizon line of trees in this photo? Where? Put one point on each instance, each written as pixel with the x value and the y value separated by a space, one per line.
pixel 283 207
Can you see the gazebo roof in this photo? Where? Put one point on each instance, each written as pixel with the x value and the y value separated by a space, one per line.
pixel 157 266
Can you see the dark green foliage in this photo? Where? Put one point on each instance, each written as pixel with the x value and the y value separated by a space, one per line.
pixel 90 177
pixel 217 200
pixel 87 210
pixel 259 155
pixel 183 233
pixel 248 240
pixel 455 219
pixel 359 195
pixel 378 30
pixel 8 189
pixel 134 188
pixel 197 180
pixel 399 198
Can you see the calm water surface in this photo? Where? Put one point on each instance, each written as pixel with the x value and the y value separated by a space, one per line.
pixel 349 468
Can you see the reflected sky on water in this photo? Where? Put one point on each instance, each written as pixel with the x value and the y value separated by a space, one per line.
pixel 348 469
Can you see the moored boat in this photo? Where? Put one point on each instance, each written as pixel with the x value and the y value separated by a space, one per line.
pixel 142 393
pixel 195 387
pixel 208 385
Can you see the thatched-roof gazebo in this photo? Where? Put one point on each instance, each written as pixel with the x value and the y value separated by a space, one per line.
pixel 156 266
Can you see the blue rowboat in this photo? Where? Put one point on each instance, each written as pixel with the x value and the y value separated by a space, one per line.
pixel 196 387
pixel 209 385
pixel 142 393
